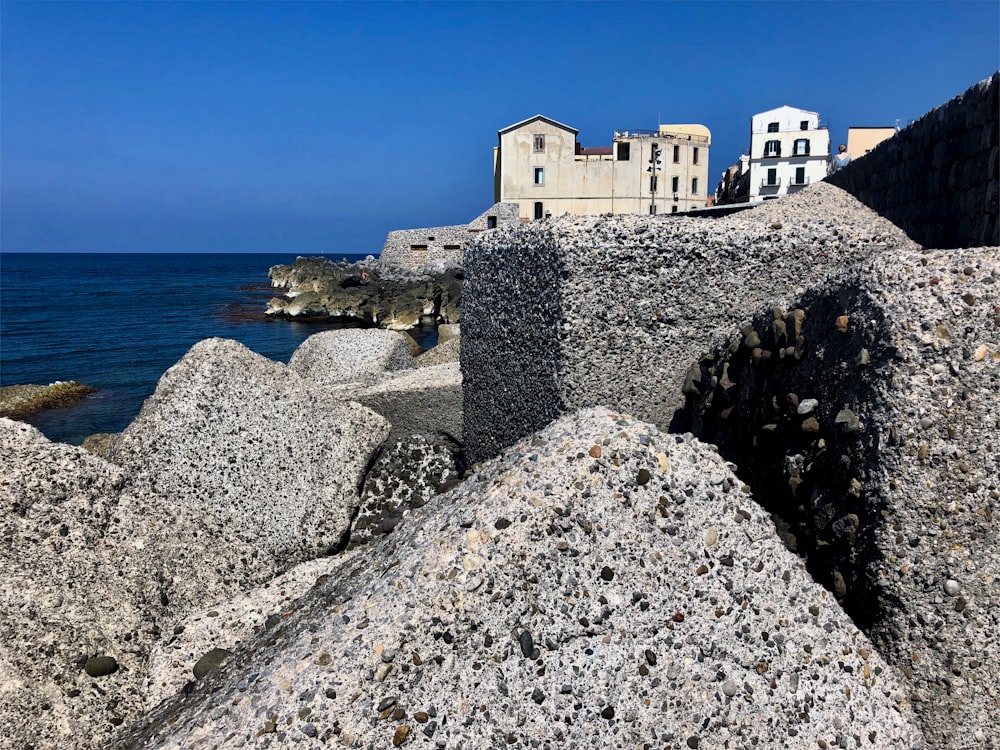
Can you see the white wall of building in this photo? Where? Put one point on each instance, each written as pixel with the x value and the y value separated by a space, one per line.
pixel 788 150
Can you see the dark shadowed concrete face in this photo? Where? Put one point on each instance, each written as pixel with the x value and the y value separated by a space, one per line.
pixel 512 333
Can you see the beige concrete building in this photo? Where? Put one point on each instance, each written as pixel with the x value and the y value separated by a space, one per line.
pixel 539 165
pixel 861 140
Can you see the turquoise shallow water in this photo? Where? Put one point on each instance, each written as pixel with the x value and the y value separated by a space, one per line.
pixel 118 321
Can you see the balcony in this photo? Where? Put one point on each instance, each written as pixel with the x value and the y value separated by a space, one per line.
pixel 793 182
pixel 766 184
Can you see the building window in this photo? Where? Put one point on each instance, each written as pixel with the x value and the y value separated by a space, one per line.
pixel 800 175
pixel 694 156
pixel 677 154
pixel 804 125
pixel 491 222
pixel 420 248
pixel 772 148
pixel 624 150
pixel 772 127
pixel 538 210
pixel 694 185
pixel 675 184
pixel 772 177
pixel 539 175
pixel 801 147
pixel 673 209
pixel 653 182
pixel 652 208
pixel 539 147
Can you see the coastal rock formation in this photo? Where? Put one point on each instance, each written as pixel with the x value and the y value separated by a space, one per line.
pixel 92 572
pixel 22 401
pixel 601 584
pixel 275 457
pixel 338 359
pixel 586 310
pixel 368 292
pixel 866 415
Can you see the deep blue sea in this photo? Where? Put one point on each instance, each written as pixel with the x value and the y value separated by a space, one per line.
pixel 118 321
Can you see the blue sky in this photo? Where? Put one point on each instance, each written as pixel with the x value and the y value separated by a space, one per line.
pixel 318 127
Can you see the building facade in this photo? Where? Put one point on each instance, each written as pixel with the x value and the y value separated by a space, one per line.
pixel 861 140
pixel 539 165
pixel 789 149
pixel 734 187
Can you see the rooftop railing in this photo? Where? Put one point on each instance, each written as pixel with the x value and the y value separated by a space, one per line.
pixel 668 136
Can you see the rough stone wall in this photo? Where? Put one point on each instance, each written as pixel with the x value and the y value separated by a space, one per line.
pixel 607 310
pixel 443 244
pixel 938 178
pixel 505 213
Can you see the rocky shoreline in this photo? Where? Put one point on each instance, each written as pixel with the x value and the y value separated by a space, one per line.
pixel 23 401
pixel 369 292
pixel 276 555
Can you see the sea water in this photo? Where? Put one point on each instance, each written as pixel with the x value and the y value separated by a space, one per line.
pixel 118 321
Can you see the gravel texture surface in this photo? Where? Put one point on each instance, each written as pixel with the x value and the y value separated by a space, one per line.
pixel 445 351
pixel 587 310
pixel 425 401
pixel 92 571
pixel 342 358
pixel 405 476
pixel 601 584
pixel 867 415
pixel 276 457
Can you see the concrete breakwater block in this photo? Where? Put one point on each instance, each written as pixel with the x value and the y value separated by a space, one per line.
pixel 427 400
pixel 601 584
pixel 580 311
pixel 866 415
pixel 92 573
pixel 278 459
pixel 336 359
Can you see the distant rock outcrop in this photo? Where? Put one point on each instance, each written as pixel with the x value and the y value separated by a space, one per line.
pixel 275 457
pixel 23 401
pixel 599 585
pixel 368 293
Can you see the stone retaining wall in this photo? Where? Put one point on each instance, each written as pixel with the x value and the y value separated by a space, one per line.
pixel 412 248
pixel 938 178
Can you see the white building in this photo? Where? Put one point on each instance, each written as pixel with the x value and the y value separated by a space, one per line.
pixel 539 164
pixel 788 150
